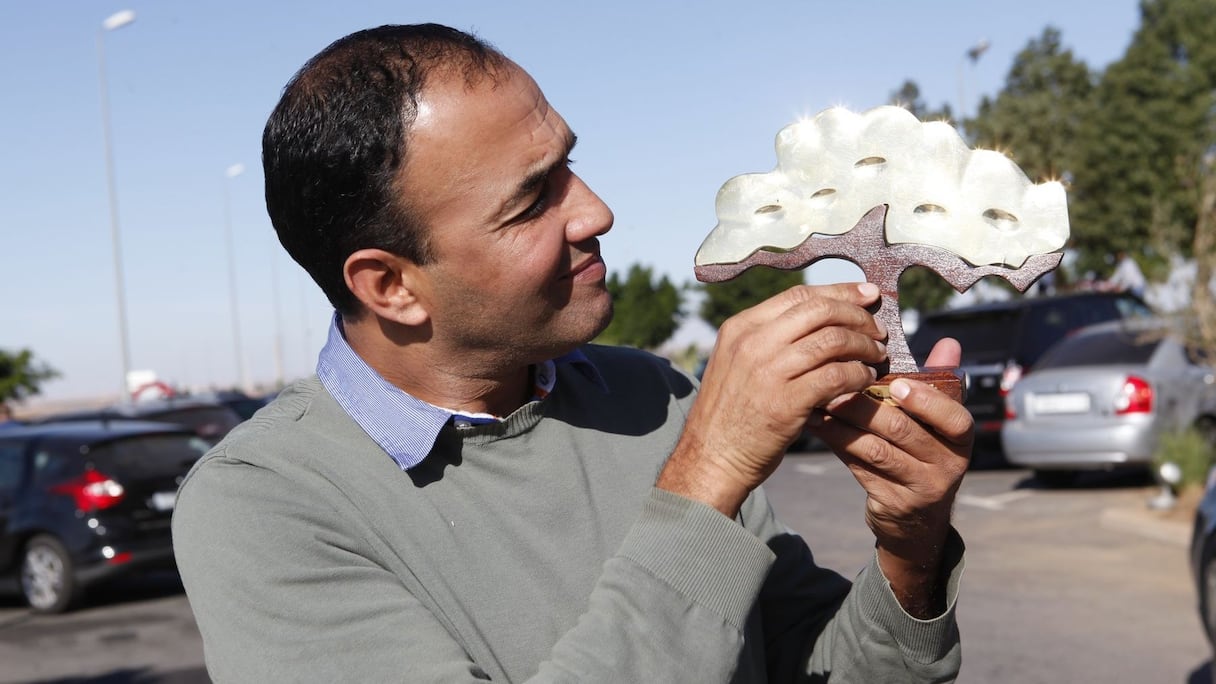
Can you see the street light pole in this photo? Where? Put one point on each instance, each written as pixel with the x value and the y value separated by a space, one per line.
pixel 232 172
pixel 113 22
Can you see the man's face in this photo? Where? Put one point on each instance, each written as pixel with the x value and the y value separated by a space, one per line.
pixel 513 232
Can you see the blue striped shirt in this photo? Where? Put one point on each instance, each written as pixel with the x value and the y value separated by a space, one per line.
pixel 403 425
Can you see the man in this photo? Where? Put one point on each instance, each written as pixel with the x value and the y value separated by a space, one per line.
pixel 1127 276
pixel 467 492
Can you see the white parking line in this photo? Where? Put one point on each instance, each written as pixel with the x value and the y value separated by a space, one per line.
pixel 811 468
pixel 996 502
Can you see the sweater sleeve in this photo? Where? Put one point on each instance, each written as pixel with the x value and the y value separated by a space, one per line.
pixel 820 627
pixel 282 590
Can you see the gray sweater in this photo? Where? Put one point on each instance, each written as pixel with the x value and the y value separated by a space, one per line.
pixel 537 549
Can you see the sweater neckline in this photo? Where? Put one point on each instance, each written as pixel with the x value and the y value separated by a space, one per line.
pixel 520 420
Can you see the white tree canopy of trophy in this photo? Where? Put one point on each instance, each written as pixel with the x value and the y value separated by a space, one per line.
pixel 833 168
pixel 887 192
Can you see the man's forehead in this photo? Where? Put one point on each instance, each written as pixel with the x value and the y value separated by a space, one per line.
pixel 485 141
pixel 454 112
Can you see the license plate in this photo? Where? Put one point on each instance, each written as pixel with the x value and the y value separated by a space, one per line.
pixel 1065 402
pixel 163 501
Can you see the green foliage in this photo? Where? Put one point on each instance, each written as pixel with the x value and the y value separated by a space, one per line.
pixel 646 313
pixel 756 284
pixel 1191 449
pixel 922 289
pixel 1036 117
pixel 21 376
pixel 1150 125
pixel 908 97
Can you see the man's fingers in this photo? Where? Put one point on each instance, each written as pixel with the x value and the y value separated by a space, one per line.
pixel 831 380
pixel 795 314
pixel 923 417
pixel 947 353
pixel 873 462
pixel 948 418
pixel 858 294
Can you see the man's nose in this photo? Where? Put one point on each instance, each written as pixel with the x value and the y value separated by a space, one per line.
pixel 590 217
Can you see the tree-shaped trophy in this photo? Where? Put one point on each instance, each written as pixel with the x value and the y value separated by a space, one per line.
pixel 886 192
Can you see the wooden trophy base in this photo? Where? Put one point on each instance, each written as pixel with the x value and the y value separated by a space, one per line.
pixel 948 382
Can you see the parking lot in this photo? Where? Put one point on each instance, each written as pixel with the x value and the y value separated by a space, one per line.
pixel 1060 586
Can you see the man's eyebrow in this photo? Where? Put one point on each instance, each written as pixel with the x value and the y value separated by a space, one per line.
pixel 536 180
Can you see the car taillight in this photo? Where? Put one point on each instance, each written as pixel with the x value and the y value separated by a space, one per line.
pixel 1010 412
pixel 1136 396
pixel 1013 373
pixel 93 491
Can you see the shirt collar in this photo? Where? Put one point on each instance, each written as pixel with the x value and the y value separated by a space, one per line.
pixel 403 425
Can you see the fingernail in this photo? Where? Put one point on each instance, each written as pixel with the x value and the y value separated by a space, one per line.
pixel 882 328
pixel 868 290
pixel 882 348
pixel 900 389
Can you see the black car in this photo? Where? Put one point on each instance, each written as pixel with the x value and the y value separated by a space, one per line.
pixel 1002 340
pixel 209 419
pixel 242 404
pixel 84 502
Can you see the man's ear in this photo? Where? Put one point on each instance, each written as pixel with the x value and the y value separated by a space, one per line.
pixel 390 286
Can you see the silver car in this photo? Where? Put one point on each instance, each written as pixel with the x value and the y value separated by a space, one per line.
pixel 1099 399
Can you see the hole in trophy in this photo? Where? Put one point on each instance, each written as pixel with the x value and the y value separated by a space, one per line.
pixel 1001 218
pixel 869 161
pixel 823 197
pixel 929 209
pixel 768 209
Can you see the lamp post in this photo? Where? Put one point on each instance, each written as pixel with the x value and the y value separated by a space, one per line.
pixel 973 54
pixel 113 22
pixel 232 172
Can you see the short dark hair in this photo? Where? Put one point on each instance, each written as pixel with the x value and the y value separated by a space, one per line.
pixel 333 148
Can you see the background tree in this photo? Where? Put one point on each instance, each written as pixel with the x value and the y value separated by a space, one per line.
pixel 21 376
pixel 1037 115
pixel 725 299
pixel 908 97
pixel 646 312
pixel 920 288
pixel 1146 135
pixel 1203 303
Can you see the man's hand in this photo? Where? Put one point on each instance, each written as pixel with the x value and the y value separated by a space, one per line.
pixel 772 365
pixel 910 460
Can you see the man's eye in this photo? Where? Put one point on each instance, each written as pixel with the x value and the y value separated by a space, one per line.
pixel 539 206
pixel 536 208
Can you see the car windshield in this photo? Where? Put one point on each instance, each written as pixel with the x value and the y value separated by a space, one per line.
pixel 1099 349
pixel 984 335
pixel 150 455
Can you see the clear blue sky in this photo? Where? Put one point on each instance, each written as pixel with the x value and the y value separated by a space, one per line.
pixel 668 100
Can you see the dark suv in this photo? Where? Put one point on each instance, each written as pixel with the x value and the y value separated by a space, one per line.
pixel 1002 340
pixel 83 502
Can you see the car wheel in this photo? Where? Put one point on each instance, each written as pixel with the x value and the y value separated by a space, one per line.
pixel 47 576
pixel 1055 478
pixel 1207 591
